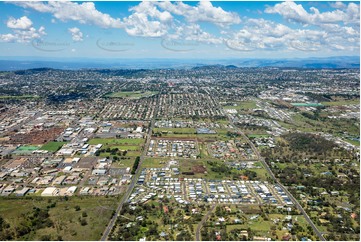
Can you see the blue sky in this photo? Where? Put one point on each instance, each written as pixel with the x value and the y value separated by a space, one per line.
pixel 179 29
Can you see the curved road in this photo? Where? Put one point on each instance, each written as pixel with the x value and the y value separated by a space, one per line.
pixel 273 177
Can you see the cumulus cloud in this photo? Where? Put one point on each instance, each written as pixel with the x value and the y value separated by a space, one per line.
pixel 194 32
pixel 338 5
pixel 76 34
pixel 21 23
pixel 23 36
pixel 269 35
pixel 296 13
pixel 22 31
pixel 147 21
pixel 155 19
pixel 337 29
pixel 84 13
pixel 203 12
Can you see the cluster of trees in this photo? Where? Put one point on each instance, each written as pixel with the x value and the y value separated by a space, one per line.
pixel 219 167
pixel 114 151
pixel 233 134
pixel 308 142
pixel 5 232
pixel 135 165
pixel 37 219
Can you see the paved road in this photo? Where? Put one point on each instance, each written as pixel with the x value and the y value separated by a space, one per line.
pixel 132 183
pixel 273 177
pixel 204 219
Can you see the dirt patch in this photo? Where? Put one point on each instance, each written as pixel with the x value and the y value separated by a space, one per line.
pixel 36 136
pixel 86 163
pixel 199 169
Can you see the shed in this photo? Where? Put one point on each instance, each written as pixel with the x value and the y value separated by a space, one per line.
pixel 50 191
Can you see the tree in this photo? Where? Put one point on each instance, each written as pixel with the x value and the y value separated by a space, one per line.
pixel 83 222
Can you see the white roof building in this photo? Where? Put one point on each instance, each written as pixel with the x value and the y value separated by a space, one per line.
pixel 50 191
pixel 71 190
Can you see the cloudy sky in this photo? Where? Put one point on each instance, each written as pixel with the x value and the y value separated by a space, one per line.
pixel 179 29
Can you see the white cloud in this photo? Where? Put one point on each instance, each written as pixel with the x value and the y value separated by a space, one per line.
pixel 203 12
pixel 22 31
pixel 147 21
pixel 338 5
pixel 76 34
pixel 268 35
pixel 154 19
pixel 194 32
pixel 23 35
pixel 336 30
pixel 21 23
pixel 84 13
pixel 8 38
pixel 296 13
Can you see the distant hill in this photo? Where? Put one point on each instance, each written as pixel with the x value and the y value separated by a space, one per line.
pixel 112 64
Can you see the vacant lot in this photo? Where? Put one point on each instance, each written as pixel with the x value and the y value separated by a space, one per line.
pixel 342 102
pixel 36 136
pixel 116 141
pixel 64 221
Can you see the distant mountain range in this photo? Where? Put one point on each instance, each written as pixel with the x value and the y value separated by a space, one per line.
pixel 11 64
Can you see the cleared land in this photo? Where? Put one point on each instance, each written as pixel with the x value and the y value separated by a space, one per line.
pixel 63 220
pixel 342 102
pixel 116 141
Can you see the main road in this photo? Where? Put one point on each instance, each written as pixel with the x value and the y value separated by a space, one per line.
pixel 133 182
pixel 273 177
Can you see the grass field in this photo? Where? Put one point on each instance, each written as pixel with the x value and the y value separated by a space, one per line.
pixel 332 126
pixel 131 95
pixel 27 148
pixel 64 216
pixel 52 146
pixel 342 102
pixel 132 146
pixel 200 137
pixel 126 147
pixel 123 163
pixel 261 173
pixel 154 162
pixel 133 153
pixel 116 141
